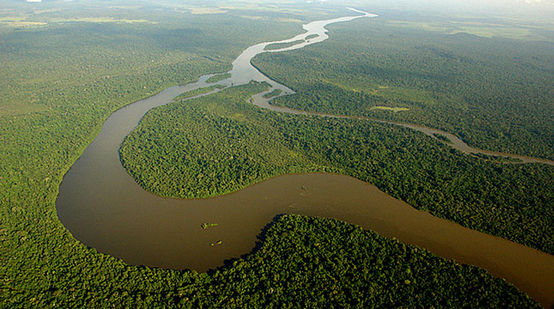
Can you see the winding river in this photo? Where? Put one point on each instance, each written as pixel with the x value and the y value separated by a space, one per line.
pixel 104 208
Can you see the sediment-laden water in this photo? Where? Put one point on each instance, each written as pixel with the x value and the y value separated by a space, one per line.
pixel 105 209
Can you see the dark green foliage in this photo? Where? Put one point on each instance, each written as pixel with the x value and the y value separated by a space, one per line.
pixel 330 263
pixel 218 77
pixel 300 261
pixel 215 148
pixel 221 143
pixel 493 93
pixel 59 83
pixel 199 91
pixel 442 137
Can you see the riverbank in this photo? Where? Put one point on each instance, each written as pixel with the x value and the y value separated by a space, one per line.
pixel 104 207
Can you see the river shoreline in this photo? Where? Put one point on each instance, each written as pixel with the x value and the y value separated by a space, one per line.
pixel 103 207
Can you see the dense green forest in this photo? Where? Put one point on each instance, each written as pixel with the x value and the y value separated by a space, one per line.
pixel 221 143
pixel 199 91
pixel 308 262
pixel 495 93
pixel 64 72
pixel 219 146
pixel 59 82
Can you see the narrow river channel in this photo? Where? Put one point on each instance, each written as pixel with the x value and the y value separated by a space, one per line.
pixel 104 208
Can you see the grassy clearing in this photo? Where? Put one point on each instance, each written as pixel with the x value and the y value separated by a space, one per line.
pixel 486 30
pixel 288 20
pixel 505 32
pixel 396 94
pixel 388 108
pixel 204 11
pixel 11 18
pixel 101 20
pixel 22 21
pixel 17 24
pixel 253 17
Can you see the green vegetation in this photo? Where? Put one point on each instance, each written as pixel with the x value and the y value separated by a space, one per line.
pixel 479 28
pixel 282 45
pixel 58 84
pixel 218 77
pixel 311 36
pixel 220 143
pixel 494 93
pixel 442 137
pixel 211 155
pixel 392 109
pixel 273 93
pixel 199 91
pixel 60 81
pixel 382 273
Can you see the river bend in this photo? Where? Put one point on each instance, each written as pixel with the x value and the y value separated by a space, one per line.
pixel 103 207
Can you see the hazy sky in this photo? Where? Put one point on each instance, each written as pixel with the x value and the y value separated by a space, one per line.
pixel 493 3
pixel 464 3
pixel 532 10
pixel 496 3
pixel 542 9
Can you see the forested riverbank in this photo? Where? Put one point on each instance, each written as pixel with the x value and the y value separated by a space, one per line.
pixel 218 144
pixel 438 78
pixel 62 77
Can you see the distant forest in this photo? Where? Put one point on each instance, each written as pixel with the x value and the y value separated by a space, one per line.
pixel 494 93
pixel 66 66
pixel 221 143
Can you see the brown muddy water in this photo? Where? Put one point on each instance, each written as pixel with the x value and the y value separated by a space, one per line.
pixel 104 208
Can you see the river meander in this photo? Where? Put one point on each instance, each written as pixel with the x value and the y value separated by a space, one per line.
pixel 104 208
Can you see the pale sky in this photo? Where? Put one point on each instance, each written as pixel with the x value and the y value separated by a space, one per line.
pixel 542 10
pixel 475 3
